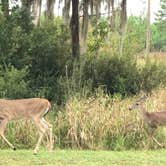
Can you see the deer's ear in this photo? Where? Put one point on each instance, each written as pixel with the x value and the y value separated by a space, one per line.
pixel 143 98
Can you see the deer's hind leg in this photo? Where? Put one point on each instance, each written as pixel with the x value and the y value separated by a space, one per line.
pixel 154 128
pixel 157 142
pixel 50 135
pixel 42 129
pixel 152 138
pixel 3 124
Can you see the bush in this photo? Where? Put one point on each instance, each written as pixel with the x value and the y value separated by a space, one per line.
pixel 15 39
pixel 45 50
pixel 153 74
pixel 116 74
pixel 13 83
pixel 49 54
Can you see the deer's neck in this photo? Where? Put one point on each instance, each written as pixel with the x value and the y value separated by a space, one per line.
pixel 143 113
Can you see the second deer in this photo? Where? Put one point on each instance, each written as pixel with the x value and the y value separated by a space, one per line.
pixel 152 119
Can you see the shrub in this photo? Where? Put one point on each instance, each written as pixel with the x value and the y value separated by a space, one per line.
pixel 45 50
pixel 49 54
pixel 15 38
pixel 116 74
pixel 153 74
pixel 122 75
pixel 13 83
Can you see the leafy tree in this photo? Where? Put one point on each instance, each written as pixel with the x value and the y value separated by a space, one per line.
pixel 5 7
pixel 134 41
pixel 161 26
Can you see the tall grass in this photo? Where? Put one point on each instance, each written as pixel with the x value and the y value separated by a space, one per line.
pixel 104 122
pixel 98 122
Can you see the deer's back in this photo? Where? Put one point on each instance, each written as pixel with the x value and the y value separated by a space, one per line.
pixel 23 107
pixel 157 118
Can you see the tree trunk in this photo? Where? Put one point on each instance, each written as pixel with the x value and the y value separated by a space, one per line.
pixel 50 9
pixel 36 11
pixel 74 24
pixel 113 15
pixel 85 25
pixel 26 4
pixel 5 7
pixel 123 14
pixel 91 11
pixel 66 11
pixel 108 20
pixel 97 9
pixel 123 21
pixel 109 8
pixel 148 29
pixel 40 6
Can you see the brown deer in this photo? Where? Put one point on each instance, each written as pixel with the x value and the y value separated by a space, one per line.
pixel 34 109
pixel 152 119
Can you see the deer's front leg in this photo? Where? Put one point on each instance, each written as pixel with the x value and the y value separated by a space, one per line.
pixel 3 125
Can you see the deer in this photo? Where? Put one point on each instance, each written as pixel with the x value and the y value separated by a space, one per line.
pixel 152 119
pixel 34 109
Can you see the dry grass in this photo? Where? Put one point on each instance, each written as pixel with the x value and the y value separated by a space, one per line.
pixel 102 122
pixel 105 122
pixel 159 57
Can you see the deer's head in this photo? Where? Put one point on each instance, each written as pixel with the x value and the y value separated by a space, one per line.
pixel 138 103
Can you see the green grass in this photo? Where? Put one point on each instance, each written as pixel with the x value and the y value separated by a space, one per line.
pixel 83 158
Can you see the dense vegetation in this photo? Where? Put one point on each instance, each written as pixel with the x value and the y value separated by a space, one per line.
pixel 37 61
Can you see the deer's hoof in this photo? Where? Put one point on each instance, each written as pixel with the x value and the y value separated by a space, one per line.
pixel 35 152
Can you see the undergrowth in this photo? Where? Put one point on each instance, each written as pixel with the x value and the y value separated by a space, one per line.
pixel 98 122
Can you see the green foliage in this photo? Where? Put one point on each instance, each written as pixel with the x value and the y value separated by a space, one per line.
pixel 134 38
pixel 45 50
pixel 161 26
pixel 13 83
pixel 49 53
pixel 96 38
pixel 134 41
pixel 15 38
pixel 153 74
pixel 21 17
pixel 115 74
pixel 155 37
pixel 52 73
